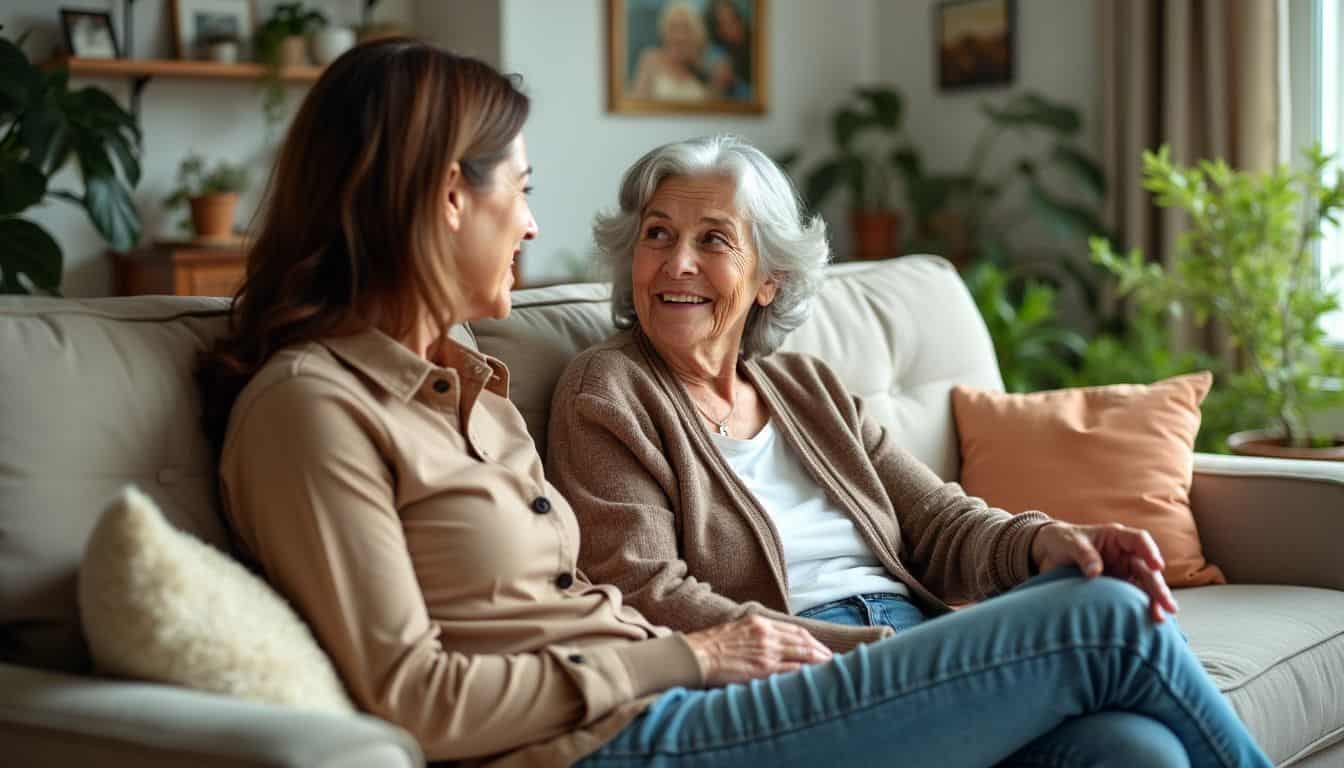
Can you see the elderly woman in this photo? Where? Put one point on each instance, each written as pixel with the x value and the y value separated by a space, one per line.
pixel 716 479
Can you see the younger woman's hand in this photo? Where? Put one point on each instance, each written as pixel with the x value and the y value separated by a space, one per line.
pixel 754 647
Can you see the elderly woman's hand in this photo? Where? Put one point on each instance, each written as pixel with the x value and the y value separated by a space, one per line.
pixel 1114 549
pixel 754 647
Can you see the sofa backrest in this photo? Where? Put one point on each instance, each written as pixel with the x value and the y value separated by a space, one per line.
pixel 99 393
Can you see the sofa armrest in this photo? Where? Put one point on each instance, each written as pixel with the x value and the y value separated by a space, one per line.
pixel 1271 521
pixel 48 718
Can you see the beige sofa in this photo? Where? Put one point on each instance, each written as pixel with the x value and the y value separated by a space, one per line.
pixel 96 394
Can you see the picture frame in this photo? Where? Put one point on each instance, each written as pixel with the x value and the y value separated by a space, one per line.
pixel 196 22
pixel 687 57
pixel 89 34
pixel 975 43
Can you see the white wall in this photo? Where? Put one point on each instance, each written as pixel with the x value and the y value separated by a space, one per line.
pixel 817 52
pixel 1056 55
pixel 220 119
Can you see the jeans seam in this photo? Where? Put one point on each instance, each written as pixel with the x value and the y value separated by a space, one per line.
pixel 925 685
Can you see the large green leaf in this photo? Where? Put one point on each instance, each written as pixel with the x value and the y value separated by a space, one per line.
pixel 100 111
pixel 19 81
pixel 108 202
pixel 885 106
pixel 21 184
pixel 821 182
pixel 846 125
pixel 127 157
pixel 1065 219
pixel 44 131
pixel 27 249
pixel 1033 110
pixel 1081 168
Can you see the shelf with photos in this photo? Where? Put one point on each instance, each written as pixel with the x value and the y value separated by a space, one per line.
pixel 178 68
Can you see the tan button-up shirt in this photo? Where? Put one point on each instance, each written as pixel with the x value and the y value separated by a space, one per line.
pixel 400 506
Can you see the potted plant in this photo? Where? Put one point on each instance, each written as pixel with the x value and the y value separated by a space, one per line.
pixel 865 131
pixel 1246 261
pixel 212 195
pixel 43 124
pixel 222 47
pixel 962 214
pixel 281 42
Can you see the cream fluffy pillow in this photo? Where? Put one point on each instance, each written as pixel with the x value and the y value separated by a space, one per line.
pixel 158 604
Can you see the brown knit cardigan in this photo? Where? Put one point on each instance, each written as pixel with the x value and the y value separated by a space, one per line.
pixel 666 519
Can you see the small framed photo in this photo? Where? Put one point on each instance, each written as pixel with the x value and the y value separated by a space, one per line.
pixel 975 43
pixel 686 56
pixel 88 34
pixel 199 23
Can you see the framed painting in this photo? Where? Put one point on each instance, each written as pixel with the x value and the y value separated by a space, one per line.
pixel 88 34
pixel 975 43
pixel 197 23
pixel 686 56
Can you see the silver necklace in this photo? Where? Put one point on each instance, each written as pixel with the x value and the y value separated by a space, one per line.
pixel 721 426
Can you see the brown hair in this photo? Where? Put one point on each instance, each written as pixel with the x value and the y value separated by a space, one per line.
pixel 352 228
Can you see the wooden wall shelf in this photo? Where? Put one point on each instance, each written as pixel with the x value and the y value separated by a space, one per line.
pixel 178 68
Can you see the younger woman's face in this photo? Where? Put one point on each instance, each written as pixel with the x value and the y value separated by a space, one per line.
pixel 493 220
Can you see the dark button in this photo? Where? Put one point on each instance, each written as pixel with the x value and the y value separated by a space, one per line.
pixel 564 581
pixel 442 386
pixel 541 505
pixel 576 658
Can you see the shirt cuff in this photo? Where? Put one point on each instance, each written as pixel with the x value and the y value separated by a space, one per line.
pixel 610 675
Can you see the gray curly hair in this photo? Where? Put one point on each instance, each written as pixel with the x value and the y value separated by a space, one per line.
pixel 790 248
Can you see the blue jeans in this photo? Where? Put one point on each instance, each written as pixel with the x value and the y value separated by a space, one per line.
pixel 1059 671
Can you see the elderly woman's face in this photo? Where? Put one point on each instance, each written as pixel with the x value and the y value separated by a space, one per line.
pixel 694 271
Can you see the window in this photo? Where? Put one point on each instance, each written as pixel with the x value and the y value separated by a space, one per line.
pixel 1319 110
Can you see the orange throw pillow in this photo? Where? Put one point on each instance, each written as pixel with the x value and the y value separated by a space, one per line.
pixel 1119 453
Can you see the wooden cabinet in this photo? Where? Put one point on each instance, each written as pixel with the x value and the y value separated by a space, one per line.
pixel 182 268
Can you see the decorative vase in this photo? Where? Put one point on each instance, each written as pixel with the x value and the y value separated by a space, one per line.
pixel 294 51
pixel 876 234
pixel 1269 442
pixel 328 43
pixel 224 51
pixel 212 215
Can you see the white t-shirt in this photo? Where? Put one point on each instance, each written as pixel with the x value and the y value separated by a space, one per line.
pixel 824 553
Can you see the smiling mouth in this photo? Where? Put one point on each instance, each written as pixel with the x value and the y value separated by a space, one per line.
pixel 682 298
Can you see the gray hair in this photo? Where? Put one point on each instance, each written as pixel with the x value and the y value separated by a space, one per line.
pixel 789 247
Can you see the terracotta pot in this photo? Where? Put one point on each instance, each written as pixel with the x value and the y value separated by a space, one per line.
pixel 876 234
pixel 294 51
pixel 1268 442
pixel 212 215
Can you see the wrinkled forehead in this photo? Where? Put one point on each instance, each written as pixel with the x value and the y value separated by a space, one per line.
pixel 701 195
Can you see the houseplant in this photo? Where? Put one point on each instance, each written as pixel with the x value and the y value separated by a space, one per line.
pixel 43 123
pixel 1246 261
pixel 1034 350
pixel 865 131
pixel 281 43
pixel 212 194
pixel 970 213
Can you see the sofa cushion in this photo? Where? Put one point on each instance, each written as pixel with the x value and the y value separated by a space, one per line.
pixel 158 604
pixel 97 394
pixel 1121 453
pixel 899 333
pixel 1277 653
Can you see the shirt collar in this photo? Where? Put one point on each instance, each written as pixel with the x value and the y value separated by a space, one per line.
pixel 402 372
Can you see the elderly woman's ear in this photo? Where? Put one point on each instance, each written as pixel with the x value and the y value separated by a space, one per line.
pixel 766 293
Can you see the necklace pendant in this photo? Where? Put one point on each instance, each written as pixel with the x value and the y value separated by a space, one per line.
pixel 723 428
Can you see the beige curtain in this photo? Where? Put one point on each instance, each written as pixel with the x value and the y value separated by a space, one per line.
pixel 1198 75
